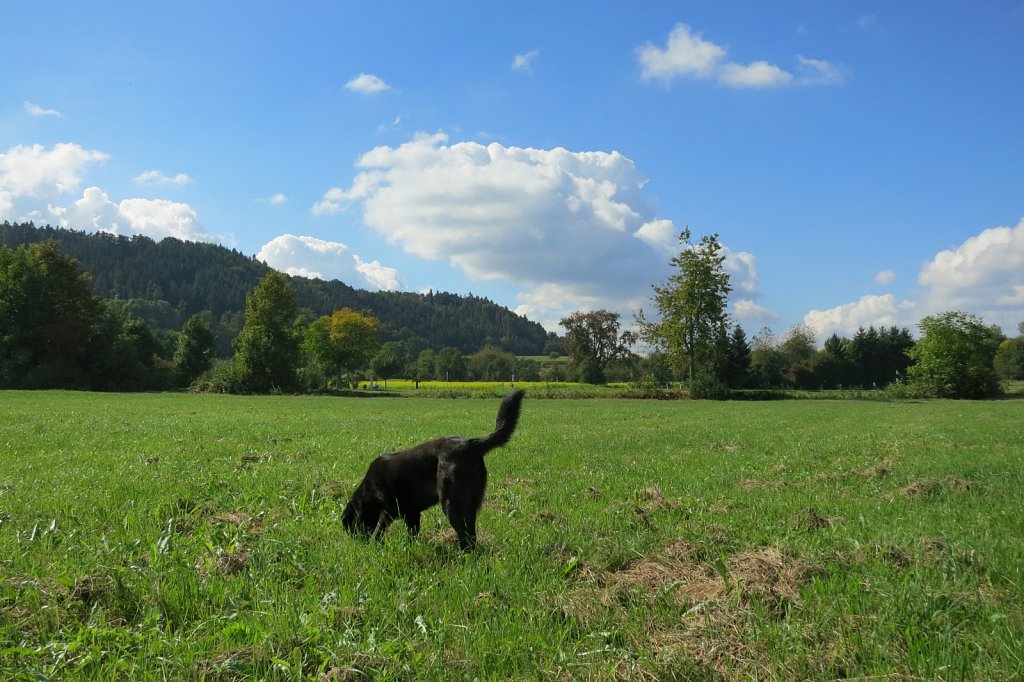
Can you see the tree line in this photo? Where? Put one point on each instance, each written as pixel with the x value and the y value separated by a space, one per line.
pixel 56 331
pixel 280 350
pixel 167 282
pixel 699 346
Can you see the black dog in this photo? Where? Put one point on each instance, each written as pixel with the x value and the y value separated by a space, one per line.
pixel 450 470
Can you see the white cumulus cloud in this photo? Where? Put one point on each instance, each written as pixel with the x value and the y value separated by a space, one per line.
pixel 153 218
pixel 685 54
pixel 36 110
pixel 44 173
pixel 749 312
pixel 688 54
pixel 869 311
pixel 661 234
pixel 984 275
pixel 818 72
pixel 572 229
pixel 368 84
pixel 35 184
pixel 759 74
pixel 155 177
pixel 317 258
pixel 984 264
pixel 885 277
pixel 742 270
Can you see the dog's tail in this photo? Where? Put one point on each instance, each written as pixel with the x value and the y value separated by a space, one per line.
pixel 505 425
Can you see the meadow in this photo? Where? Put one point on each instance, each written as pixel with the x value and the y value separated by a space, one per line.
pixel 198 537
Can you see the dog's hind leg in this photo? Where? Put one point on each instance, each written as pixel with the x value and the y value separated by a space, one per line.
pixel 463 520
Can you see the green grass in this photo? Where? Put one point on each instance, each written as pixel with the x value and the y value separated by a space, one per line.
pixel 164 536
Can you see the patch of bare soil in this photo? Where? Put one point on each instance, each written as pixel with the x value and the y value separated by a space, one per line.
pixel 244 529
pixel 517 480
pixel 649 501
pixel 91 589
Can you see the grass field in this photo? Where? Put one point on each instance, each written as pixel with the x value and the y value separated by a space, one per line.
pixel 198 537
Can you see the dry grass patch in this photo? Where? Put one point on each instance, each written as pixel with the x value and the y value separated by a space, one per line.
pixel 811 519
pixel 758 484
pixel 935 485
pixel 241 521
pixel 651 499
pixel 716 602
pixel 517 480
pixel 881 469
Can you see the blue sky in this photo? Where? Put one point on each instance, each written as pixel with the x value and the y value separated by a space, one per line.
pixel 860 161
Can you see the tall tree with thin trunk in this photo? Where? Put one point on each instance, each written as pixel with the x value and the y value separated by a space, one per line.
pixel 691 310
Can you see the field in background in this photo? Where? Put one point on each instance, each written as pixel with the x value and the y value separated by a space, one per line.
pixel 172 536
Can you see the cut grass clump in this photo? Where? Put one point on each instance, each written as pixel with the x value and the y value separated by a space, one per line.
pixel 935 485
pixel 695 610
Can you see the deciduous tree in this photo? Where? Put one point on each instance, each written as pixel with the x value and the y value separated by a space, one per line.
pixel 490 363
pixel 1009 360
pixel 593 340
pixel 267 348
pixel 426 365
pixel 954 357
pixel 451 365
pixel 344 341
pixel 389 361
pixel 691 310
pixel 47 313
pixel 194 354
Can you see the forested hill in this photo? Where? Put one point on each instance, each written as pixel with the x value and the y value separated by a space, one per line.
pixel 171 280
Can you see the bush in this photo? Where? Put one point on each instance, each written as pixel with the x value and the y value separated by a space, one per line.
pixel 223 377
pixel 707 387
pixel 954 358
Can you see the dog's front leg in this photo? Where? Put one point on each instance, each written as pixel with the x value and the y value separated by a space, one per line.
pixel 383 521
